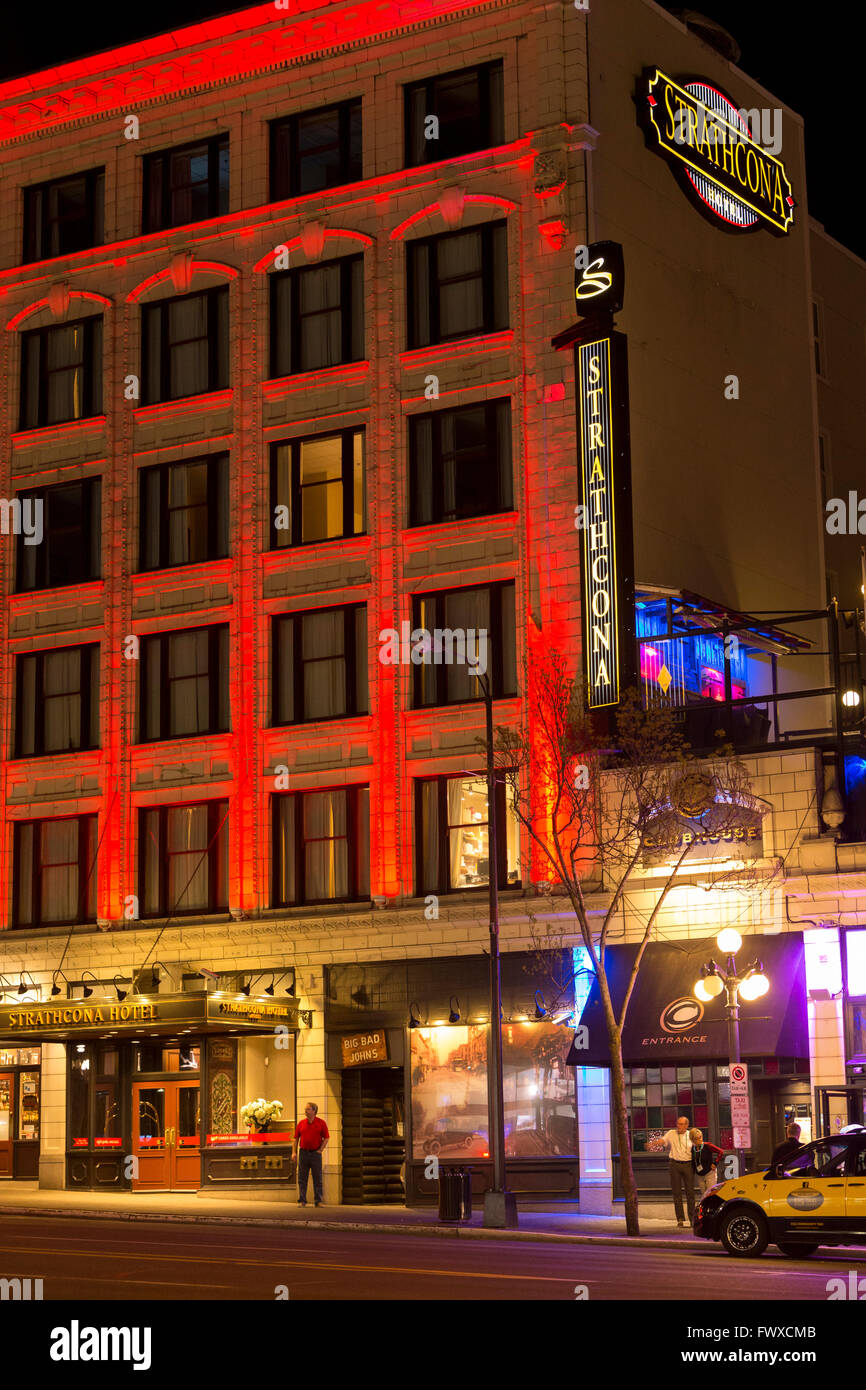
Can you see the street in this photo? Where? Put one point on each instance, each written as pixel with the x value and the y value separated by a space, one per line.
pixel 122 1260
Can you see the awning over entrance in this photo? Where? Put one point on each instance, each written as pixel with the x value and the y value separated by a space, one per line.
pixel 146 1015
pixel 666 1021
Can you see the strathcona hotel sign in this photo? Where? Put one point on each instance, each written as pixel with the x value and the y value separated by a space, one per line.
pixel 732 179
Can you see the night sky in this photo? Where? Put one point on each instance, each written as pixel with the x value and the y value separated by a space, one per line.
pixel 813 68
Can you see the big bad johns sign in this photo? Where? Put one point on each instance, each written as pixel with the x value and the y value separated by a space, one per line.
pixel 730 178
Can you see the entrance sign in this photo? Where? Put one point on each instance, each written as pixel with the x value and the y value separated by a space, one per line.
pixel 741 1119
pixel 730 178
pixel 607 577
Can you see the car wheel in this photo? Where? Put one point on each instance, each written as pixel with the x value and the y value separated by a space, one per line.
pixel 744 1233
pixel 796 1252
pixel 467 1142
pixel 435 1146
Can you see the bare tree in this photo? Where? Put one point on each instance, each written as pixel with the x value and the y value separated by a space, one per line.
pixel 595 814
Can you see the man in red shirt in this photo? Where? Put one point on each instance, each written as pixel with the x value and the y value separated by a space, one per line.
pixel 312 1136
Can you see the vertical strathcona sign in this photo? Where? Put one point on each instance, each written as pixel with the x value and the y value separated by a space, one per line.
pixel 607 577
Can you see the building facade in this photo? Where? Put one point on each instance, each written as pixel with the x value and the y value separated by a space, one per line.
pixel 279 293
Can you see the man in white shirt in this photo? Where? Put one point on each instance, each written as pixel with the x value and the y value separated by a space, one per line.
pixel 679 1148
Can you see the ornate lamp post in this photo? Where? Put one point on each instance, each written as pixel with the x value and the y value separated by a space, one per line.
pixel 752 983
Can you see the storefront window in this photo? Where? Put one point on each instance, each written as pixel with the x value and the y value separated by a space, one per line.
pixel 540 1114
pixel 657 1096
pixel 95 1098
pixel 28 1105
pixel 79 1096
pixel 449 1092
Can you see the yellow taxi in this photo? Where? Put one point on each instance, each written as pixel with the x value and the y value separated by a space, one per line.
pixel 815 1197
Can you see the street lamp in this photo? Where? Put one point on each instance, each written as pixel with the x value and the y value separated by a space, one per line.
pixel 751 984
pixel 500 1206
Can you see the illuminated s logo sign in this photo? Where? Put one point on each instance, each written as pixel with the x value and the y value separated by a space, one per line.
pixel 599 278
pixel 733 180
pixel 681 1015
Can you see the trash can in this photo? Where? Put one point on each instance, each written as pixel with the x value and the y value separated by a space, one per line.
pixel 455 1194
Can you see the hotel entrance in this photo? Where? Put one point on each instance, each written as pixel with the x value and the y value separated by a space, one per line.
pixel 166 1136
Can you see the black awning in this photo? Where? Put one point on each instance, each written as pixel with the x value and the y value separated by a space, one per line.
pixel 666 1021
pixel 150 1015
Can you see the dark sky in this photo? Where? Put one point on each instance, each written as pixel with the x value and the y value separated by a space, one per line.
pixel 810 61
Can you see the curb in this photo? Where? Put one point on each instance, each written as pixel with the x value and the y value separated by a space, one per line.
pixel 443 1231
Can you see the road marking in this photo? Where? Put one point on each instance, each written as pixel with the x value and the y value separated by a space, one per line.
pixel 296 1264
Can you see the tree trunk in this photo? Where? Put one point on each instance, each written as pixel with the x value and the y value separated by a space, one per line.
pixel 617 1092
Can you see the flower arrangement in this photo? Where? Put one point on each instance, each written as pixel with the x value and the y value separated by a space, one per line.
pixel 259 1113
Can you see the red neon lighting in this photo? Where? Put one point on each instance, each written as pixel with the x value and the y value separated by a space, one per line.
pixel 187 405
pixel 462 347
pixel 482 199
pixel 43 304
pixel 227 272
pixel 50 434
pixel 308 381
pixel 332 234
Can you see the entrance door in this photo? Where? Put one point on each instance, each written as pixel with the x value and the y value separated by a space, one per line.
pixel 7 1112
pixel 166 1139
pixel 374 1147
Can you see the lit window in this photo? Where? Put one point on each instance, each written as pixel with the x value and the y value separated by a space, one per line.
pixel 452 835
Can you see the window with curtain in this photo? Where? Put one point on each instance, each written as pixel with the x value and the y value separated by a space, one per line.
pixel 320 664
pixel 54 871
pixel 61 373
pixel 184 683
pixel 57 701
pixel 64 216
pixel 460 463
pixel 317 316
pixel 316 150
pixel 184 512
pixel 477 627
pixel 468 106
pixel 183 859
pixel 457 284
pixel 321 846
pixel 185 347
pixel 451 829
pixel 70 551
pixel 189 183
pixel 318 489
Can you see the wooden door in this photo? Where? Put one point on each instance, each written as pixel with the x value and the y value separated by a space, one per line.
pixel 185 1151
pixel 7 1120
pixel 151 1134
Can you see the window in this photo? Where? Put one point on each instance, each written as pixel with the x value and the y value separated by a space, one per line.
pixel 61 373
pixel 57 701
pixel 317 489
pixel 457 285
pixel 185 349
pixel 185 683
pixel 452 850
pixel 183 859
pixel 657 1096
pixel 468 110
pixel 824 466
pixel 70 548
pixel 468 633
pixel 187 184
pixel 321 846
pixel 55 871
pixel 184 512
pixel 818 338
pixel 822 1159
pixel 64 216
pixel 316 150
pixel 95 1096
pixel 317 316
pixel 320 664
pixel 460 462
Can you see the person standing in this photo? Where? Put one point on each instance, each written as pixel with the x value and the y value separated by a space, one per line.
pixel 312 1136
pixel 682 1174
pixel 788 1147
pixel 705 1158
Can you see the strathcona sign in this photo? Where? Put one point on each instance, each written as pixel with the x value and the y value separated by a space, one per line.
pixel 733 180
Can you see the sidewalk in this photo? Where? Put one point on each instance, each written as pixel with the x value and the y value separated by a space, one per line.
pixel 658 1225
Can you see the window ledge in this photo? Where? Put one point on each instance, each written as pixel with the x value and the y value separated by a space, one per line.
pixel 186 405
pixel 277 387
pixel 452 348
pixel 48 600
pixel 50 434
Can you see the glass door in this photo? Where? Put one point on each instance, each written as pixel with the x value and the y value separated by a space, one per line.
pixel 185 1135
pixel 7 1114
pixel 151 1136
